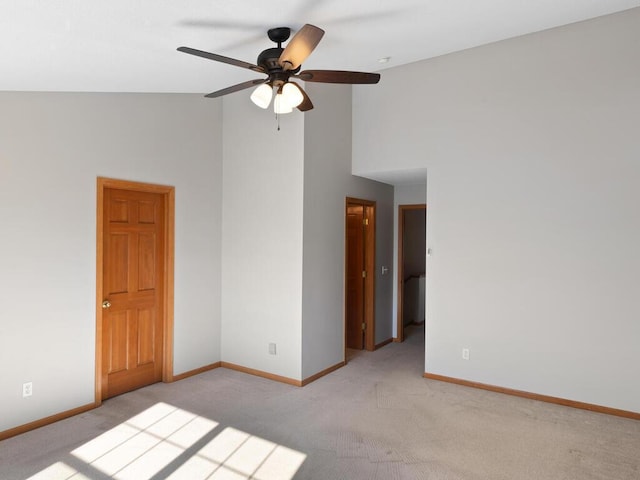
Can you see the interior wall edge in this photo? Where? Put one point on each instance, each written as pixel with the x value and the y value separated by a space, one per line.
pixel 195 371
pixel 261 373
pixel 322 373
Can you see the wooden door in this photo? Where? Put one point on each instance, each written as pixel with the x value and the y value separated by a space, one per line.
pixel 132 290
pixel 355 307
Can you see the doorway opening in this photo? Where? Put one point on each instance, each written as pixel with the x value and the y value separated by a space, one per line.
pixel 360 228
pixel 411 267
pixel 134 285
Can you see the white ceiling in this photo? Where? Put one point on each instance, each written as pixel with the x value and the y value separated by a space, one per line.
pixel 130 46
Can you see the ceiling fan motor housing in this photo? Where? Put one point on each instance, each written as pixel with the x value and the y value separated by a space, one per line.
pixel 268 59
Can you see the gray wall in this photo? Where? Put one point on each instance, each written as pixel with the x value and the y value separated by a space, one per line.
pixel 262 237
pixel 531 149
pixel 283 234
pixel 52 148
pixel 327 183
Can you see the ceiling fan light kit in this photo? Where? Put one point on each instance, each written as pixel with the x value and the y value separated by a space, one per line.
pixel 261 96
pixel 288 95
pixel 280 105
pixel 291 94
pixel 282 64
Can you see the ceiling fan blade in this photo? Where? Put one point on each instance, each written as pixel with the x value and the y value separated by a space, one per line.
pixel 338 76
pixel 300 47
pixel 220 58
pixel 237 88
pixel 306 104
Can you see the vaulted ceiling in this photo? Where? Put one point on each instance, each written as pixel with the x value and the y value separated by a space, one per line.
pixel 130 46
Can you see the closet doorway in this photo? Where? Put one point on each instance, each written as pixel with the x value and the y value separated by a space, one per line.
pixel 411 266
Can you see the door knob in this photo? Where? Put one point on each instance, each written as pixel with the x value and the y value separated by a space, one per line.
pixel 106 304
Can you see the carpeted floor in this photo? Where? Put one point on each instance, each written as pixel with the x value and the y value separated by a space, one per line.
pixel 375 418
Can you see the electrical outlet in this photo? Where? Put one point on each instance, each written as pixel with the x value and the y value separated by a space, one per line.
pixel 27 389
pixel 465 354
pixel 272 349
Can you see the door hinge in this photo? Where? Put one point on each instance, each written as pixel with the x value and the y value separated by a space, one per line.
pixel 364 274
pixel 364 326
pixel 365 222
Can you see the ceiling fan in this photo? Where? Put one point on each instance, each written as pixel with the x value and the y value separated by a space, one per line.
pixel 281 65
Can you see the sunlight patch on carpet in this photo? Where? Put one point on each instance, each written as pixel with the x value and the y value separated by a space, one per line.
pixel 168 442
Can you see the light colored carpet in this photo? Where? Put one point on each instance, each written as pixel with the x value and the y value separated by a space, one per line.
pixel 375 418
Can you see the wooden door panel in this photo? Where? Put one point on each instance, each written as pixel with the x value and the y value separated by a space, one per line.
pixel 117 328
pixel 146 261
pixel 117 251
pixel 146 337
pixel 118 211
pixel 133 284
pixel 147 212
